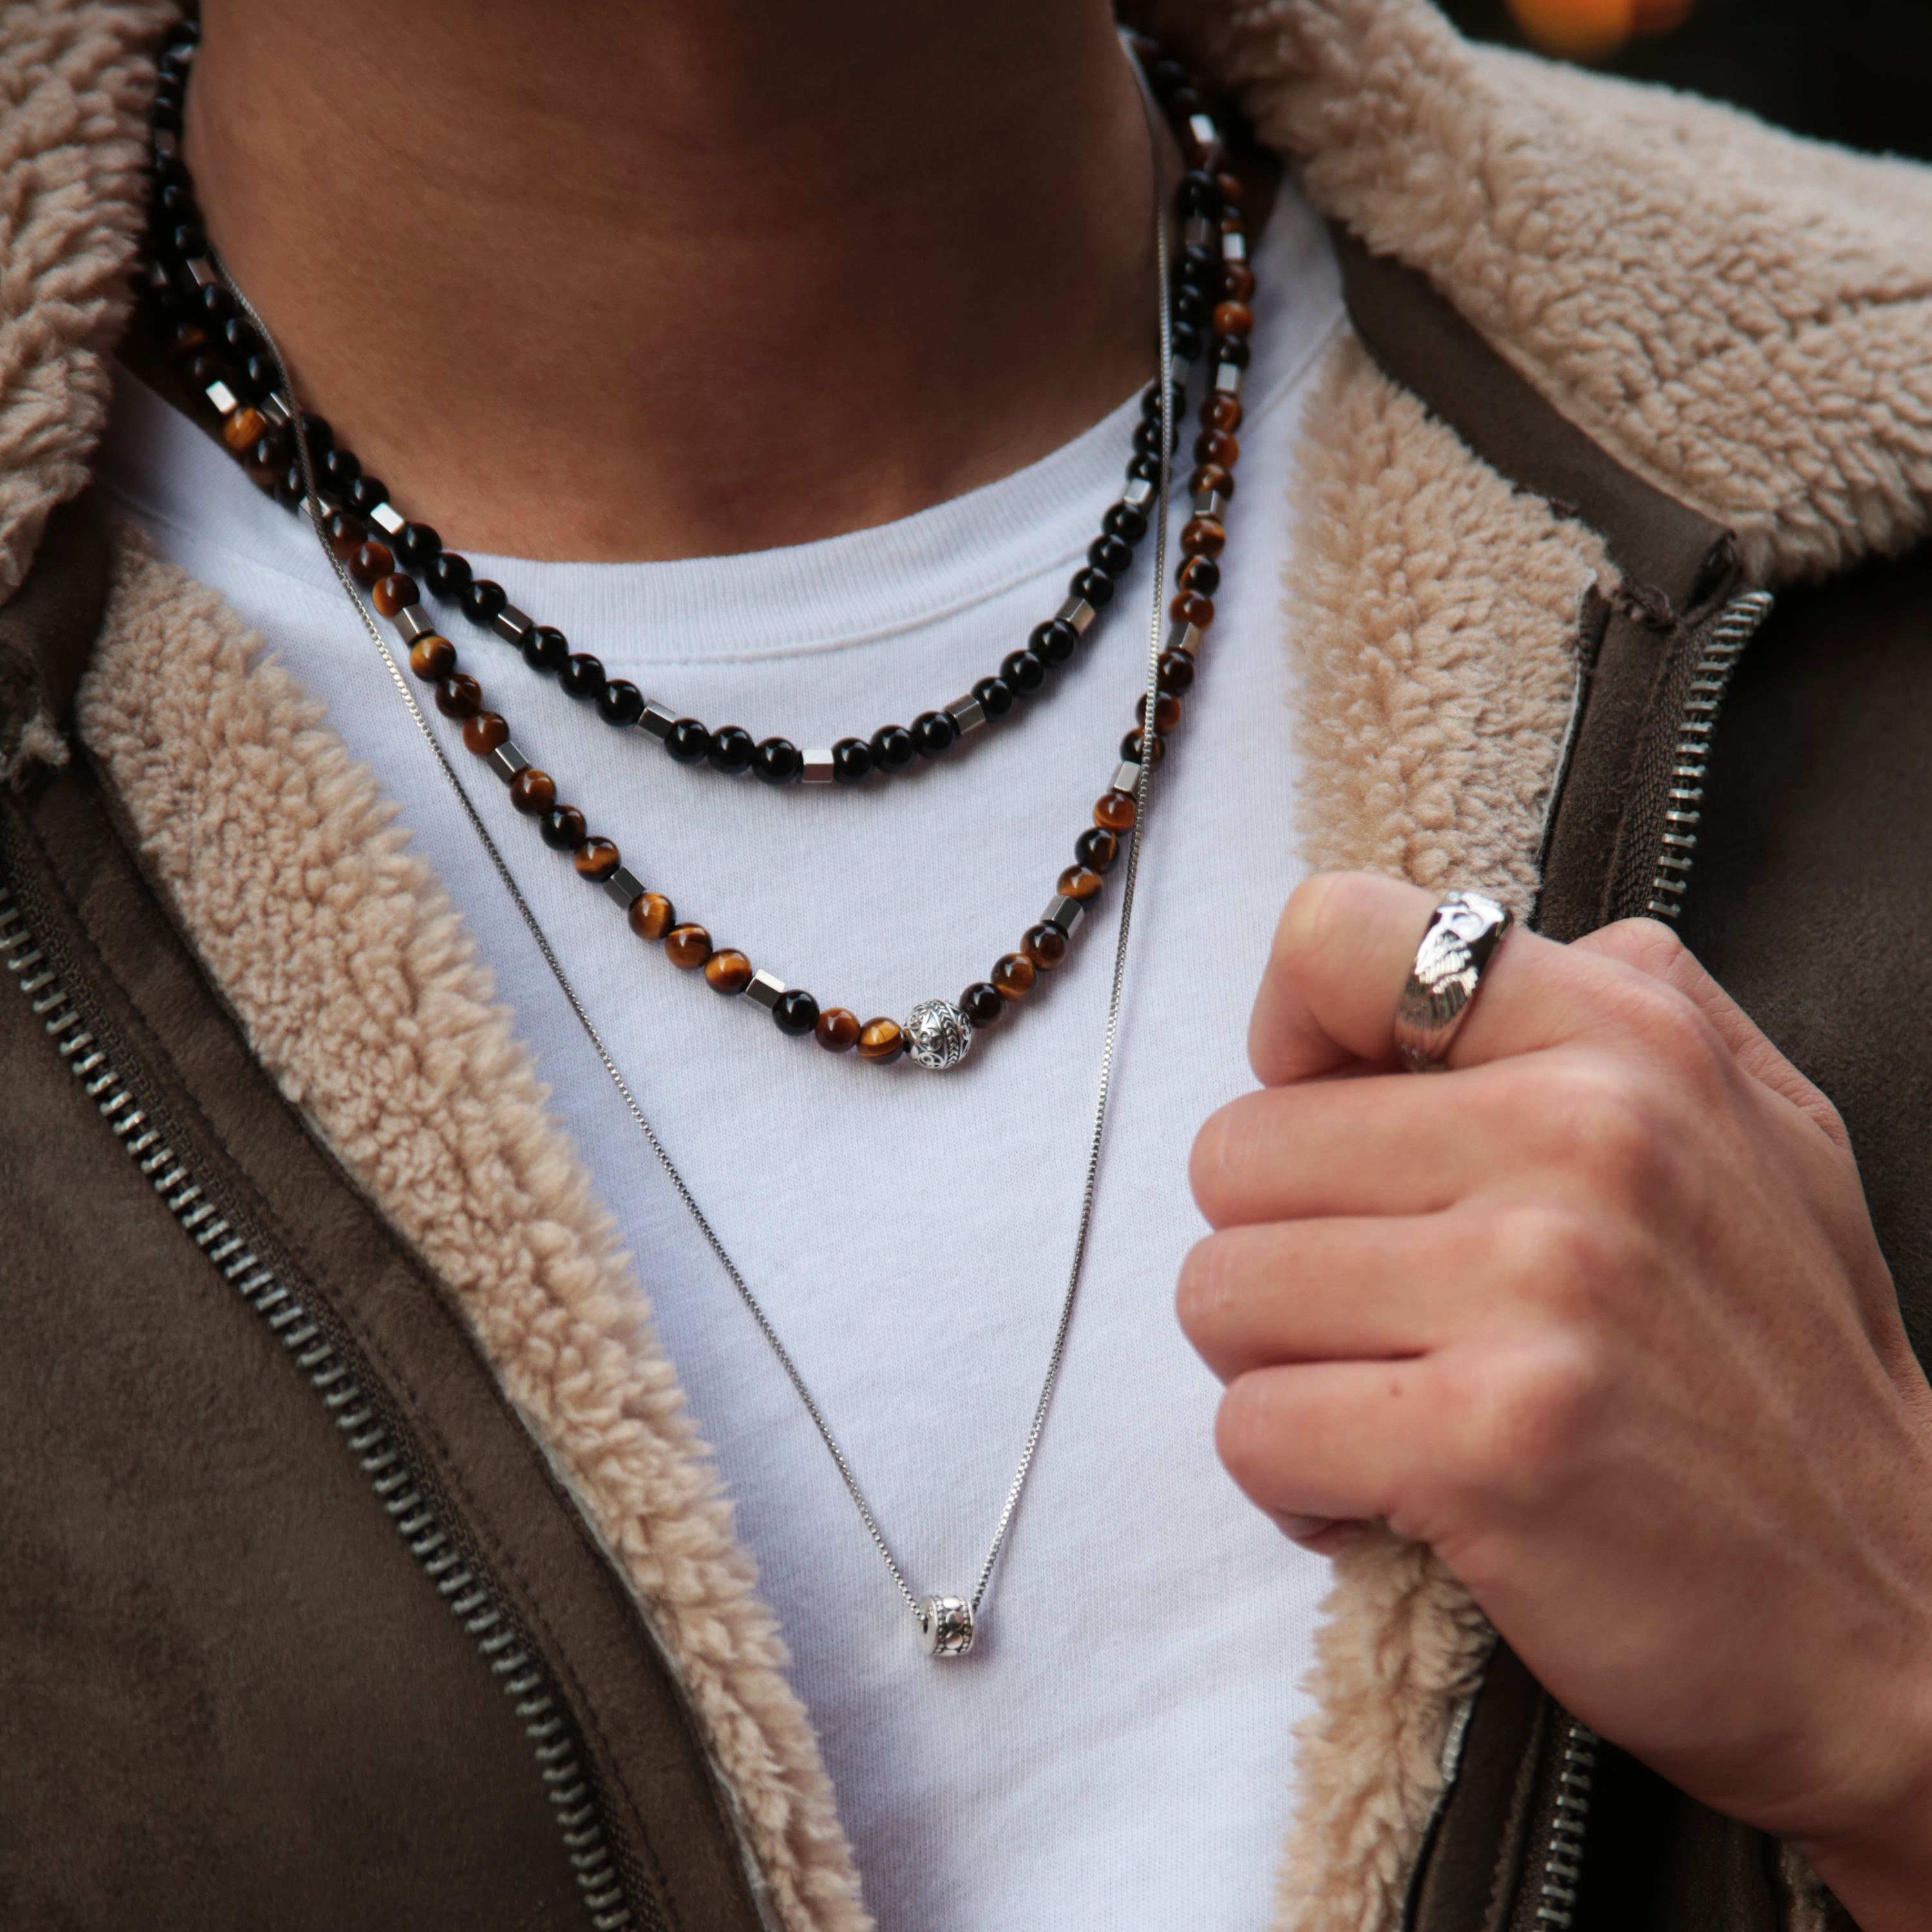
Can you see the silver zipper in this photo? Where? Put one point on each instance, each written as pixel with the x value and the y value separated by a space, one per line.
pixel 523 1677
pixel 1563 1849
pixel 1736 624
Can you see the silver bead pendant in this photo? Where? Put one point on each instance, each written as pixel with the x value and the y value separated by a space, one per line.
pixel 938 1034
pixel 945 1626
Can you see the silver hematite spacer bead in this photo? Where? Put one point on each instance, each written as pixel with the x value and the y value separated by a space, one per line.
pixel 945 1626
pixel 938 1034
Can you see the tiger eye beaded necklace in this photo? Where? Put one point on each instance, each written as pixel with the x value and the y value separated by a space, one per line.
pixel 192 295
pixel 300 460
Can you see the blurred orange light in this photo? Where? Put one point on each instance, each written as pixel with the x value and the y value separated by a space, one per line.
pixel 1590 29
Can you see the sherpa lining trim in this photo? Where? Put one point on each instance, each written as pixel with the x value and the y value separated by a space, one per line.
pixel 1434 618
pixel 1738 316
pixel 361 995
pixel 71 89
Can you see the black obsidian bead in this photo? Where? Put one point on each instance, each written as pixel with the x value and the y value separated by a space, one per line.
pixel 482 599
pixel 206 369
pixel 1095 586
pixel 1192 307
pixel 777 761
pixel 795 1011
pixel 1147 437
pixel 1096 848
pixel 1199 193
pixel 620 702
pixel 174 204
pixel 1150 401
pixel 731 749
pixel 449 573
pixel 582 676
pixel 688 741
pixel 546 648
pixel 1147 468
pixel 165 109
pixel 261 375
pixel 893 747
pixel 320 437
pixel 1023 671
pixel 268 451
pixel 289 487
pixel 1126 521
pixel 1167 78
pixel 995 695
pixel 366 492
pixel 239 339
pixel 417 546
pixel 933 732
pixel 336 469
pixel 1186 341
pixel 1199 268
pixel 851 761
pixel 1110 554
pixel 981 1003
pixel 217 304
pixel 1231 348
pixel 562 828
pixel 1053 642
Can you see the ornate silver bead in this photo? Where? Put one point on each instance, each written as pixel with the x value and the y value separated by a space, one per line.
pixel 937 1035
pixel 945 1626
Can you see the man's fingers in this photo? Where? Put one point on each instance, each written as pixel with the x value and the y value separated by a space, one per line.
pixel 1342 952
pixel 1374 1289
pixel 1328 1441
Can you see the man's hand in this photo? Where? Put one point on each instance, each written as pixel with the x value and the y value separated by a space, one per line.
pixel 1599 1315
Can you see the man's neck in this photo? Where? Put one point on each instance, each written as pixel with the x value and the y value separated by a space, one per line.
pixel 706 276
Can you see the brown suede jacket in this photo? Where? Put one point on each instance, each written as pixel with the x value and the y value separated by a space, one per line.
pixel 359 1565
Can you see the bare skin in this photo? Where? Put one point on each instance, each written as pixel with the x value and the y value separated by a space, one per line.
pixel 1598 1315
pixel 611 281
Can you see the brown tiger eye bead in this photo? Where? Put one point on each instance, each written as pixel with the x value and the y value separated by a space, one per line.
pixel 1237 284
pixel 881 1040
pixel 728 971
pixel 563 828
pixel 432 657
pixel 651 916
pixel 1098 848
pixel 243 428
pixel 837 1030
pixel 1203 537
pixel 1212 476
pixel 1130 746
pixel 1199 573
pixel 460 696
pixel 1191 607
pixel 393 592
pixel 1216 448
pixel 1013 974
pixel 1113 810
pixel 485 732
pixel 1045 946
pixel 1230 188
pixel 595 859
pixel 532 792
pixel 1177 671
pixel 1221 411
pixel 347 532
pixel 687 946
pixel 1080 882
pixel 1233 318
pixel 1166 711
pixel 371 562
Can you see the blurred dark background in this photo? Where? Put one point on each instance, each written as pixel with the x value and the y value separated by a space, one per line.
pixel 1854 71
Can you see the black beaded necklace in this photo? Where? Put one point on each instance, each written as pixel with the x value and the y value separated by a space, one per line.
pixel 192 310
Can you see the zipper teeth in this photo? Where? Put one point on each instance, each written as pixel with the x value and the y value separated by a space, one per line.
pixel 1737 623
pixel 523 1678
pixel 1563 1851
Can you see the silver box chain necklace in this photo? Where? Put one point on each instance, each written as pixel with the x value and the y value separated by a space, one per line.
pixel 946 1623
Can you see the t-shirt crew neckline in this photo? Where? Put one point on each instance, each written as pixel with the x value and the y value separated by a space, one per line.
pixel 834 593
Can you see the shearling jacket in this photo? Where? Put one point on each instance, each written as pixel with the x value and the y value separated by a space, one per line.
pixel 358 1564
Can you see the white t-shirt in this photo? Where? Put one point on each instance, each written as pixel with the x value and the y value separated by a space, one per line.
pixel 1117 1751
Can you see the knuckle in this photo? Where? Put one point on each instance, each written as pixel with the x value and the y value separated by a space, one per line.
pixel 1607 1120
pixel 1526 1418
pixel 1554 1256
